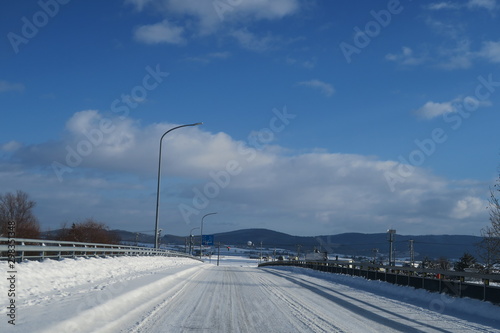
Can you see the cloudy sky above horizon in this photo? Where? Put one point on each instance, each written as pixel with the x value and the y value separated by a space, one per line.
pixel 318 117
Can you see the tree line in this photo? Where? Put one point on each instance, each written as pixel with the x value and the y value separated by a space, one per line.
pixel 16 209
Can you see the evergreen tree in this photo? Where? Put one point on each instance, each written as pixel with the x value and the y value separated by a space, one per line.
pixel 466 261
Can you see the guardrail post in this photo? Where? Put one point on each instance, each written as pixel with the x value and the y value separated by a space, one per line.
pixel 486 284
pixel 42 254
pixel 22 252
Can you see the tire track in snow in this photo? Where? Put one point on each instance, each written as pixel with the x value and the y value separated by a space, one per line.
pixel 151 317
pixel 109 316
pixel 224 299
pixel 309 317
pixel 391 318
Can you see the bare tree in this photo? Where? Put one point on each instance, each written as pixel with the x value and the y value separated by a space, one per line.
pixel 16 212
pixel 490 245
pixel 89 231
pixel 442 263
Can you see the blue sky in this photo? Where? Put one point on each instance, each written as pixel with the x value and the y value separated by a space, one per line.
pixel 320 117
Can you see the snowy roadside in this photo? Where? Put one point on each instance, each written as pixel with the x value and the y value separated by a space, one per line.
pixel 125 293
pixel 465 308
pixel 81 292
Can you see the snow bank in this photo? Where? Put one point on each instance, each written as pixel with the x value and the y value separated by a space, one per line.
pixel 440 303
pixel 77 293
pixel 95 294
pixel 36 278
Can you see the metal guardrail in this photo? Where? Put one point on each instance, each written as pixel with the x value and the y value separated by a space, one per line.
pixel 20 249
pixel 459 284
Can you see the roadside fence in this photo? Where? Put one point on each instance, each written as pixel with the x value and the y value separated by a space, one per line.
pixel 484 287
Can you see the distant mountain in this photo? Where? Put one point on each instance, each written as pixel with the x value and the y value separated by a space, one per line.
pixel 358 244
pixel 351 244
pixel 432 246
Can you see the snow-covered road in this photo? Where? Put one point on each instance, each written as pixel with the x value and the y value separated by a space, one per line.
pixel 182 295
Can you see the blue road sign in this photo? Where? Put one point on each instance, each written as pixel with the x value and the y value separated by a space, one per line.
pixel 207 240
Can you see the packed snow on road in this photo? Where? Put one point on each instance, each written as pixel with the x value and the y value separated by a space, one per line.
pixel 159 294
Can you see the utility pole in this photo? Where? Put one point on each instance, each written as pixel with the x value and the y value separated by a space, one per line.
pixel 412 253
pixel 391 234
pixel 218 254
pixel 260 257
pixel 375 251
pixel 191 241
pixel 158 240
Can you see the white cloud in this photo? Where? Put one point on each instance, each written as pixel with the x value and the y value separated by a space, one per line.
pixel 432 109
pixel 483 4
pixel 162 32
pixel 139 4
pixel 326 88
pixel 206 21
pixel 268 9
pixel 298 193
pixel 462 61
pixel 9 86
pixel 83 121
pixel 405 57
pixel 458 57
pixel 309 64
pixel 468 207
pixel 471 4
pixel 211 14
pixel 208 58
pixel 219 55
pixel 443 5
pixel 455 52
pixel 202 18
pixel 491 51
pixel 252 42
pixel 11 146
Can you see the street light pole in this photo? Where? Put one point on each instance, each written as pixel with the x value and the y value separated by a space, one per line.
pixel 159 178
pixel 201 232
pixel 191 240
